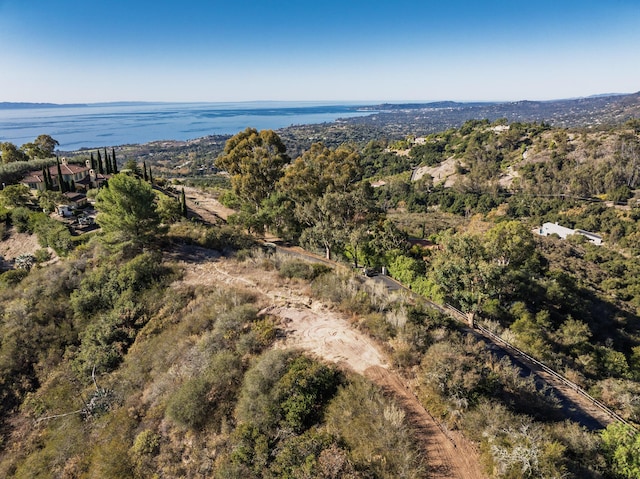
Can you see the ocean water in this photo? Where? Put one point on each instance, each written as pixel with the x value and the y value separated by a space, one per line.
pixel 106 125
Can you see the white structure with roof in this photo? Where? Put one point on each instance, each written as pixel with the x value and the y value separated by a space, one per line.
pixel 563 232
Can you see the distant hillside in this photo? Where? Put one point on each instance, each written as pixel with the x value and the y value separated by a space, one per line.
pixel 397 121
pixel 419 119
pixel 6 105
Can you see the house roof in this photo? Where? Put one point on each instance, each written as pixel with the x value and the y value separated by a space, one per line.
pixel 65 169
pixel 75 197
pixel 33 177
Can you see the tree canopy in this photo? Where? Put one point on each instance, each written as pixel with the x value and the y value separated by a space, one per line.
pixel 42 147
pixel 255 160
pixel 127 211
pixel 10 153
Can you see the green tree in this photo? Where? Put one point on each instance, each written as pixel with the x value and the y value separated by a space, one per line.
pixel 15 195
pixel 100 164
pixel 462 272
pixel 622 448
pixel 42 147
pixel 509 243
pixel 61 184
pixel 255 162
pixel 330 203
pixel 10 153
pixel 48 200
pixel 132 167
pixel 114 166
pixel 107 162
pixel 184 211
pixel 169 209
pixel 127 212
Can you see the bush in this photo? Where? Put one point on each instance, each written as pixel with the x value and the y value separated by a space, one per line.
pixel 301 269
pixel 375 431
pixel 21 219
pixel 189 405
pixel 42 255
pixel 286 392
pixel 13 277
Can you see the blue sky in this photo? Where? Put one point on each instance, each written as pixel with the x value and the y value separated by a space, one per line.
pixel 245 50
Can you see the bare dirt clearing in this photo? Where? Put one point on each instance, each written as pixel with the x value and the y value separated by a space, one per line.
pixel 16 244
pixel 205 205
pixel 310 325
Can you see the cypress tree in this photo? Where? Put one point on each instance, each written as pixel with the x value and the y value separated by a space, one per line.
pixel 107 162
pixel 183 204
pixel 93 162
pixel 150 177
pixel 144 171
pixel 113 159
pixel 49 179
pixel 100 166
pixel 45 179
pixel 60 179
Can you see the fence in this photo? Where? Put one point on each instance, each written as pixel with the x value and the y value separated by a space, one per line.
pixel 460 316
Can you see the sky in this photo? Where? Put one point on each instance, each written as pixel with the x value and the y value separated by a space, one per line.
pixel 72 51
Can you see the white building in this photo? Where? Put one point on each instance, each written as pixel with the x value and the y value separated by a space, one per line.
pixel 562 231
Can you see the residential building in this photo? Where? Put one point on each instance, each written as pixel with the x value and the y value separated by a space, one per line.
pixel 83 177
pixel 563 232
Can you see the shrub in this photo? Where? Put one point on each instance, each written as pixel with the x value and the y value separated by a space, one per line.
pixel 21 219
pixel 301 269
pixel 42 255
pixel 13 277
pixel 374 430
pixel 189 405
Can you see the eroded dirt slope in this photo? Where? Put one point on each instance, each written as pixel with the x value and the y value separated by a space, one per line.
pixel 310 325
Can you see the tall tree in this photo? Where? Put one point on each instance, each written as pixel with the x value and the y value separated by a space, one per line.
pixel 127 212
pixel 145 175
pixel 255 162
pixel 114 162
pixel 11 153
pixel 183 204
pixel 45 178
pixel 329 201
pixel 42 147
pixel 61 185
pixel 107 165
pixel 93 162
pixel 100 165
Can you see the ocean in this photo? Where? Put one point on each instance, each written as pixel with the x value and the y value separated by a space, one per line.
pixel 114 124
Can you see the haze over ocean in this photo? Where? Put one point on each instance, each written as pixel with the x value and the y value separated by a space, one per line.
pixel 100 125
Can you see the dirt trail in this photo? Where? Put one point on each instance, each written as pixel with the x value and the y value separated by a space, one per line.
pixel 312 326
pixel 205 205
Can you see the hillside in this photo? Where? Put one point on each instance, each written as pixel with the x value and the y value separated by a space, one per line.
pixel 171 343
pixel 392 122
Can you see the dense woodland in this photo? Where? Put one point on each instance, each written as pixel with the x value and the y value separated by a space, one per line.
pixel 109 369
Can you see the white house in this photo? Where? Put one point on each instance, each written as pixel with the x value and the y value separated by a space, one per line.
pixel 562 231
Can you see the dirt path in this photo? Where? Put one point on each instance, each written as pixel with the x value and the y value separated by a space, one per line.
pixel 205 205
pixel 312 326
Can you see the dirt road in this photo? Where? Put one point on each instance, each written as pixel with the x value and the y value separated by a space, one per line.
pixel 205 205
pixel 310 325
